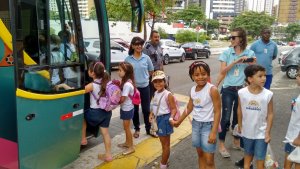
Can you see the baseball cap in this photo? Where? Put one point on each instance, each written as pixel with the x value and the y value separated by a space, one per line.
pixel 158 75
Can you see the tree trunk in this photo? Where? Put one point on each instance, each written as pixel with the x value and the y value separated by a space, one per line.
pixel 145 28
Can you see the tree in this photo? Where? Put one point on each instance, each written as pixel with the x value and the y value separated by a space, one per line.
pixel 190 14
pixel 93 15
pixel 118 10
pixel 163 34
pixel 293 29
pixel 253 22
pixel 183 36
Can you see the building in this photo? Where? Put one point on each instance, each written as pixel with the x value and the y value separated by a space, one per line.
pixel 82 6
pixel 261 6
pixel 240 6
pixel 289 11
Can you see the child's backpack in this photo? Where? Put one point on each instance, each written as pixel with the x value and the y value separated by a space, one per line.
pixel 112 97
pixel 136 97
pixel 177 115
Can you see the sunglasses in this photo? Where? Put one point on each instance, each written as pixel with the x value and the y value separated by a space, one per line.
pixel 233 37
pixel 138 43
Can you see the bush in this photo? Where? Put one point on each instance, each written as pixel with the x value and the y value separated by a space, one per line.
pixel 183 36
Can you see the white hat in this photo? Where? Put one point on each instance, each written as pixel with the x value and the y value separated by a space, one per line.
pixel 158 75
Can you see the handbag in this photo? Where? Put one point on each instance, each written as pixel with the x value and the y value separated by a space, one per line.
pixel 294 156
pixel 154 126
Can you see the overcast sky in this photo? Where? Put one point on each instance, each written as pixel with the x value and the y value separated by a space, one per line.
pixel 276 2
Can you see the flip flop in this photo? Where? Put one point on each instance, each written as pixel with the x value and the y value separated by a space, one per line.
pixel 136 134
pixel 104 158
pixel 153 134
pixel 84 142
pixel 127 152
pixel 224 153
pixel 122 145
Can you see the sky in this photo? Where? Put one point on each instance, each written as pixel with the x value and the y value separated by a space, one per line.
pixel 276 2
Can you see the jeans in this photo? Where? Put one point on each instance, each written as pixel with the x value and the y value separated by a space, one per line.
pixel 145 102
pixel 268 81
pixel 229 104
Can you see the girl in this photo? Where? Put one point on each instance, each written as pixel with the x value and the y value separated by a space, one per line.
pixel 95 116
pixel 127 108
pixel 163 107
pixel 293 132
pixel 255 115
pixel 143 68
pixel 231 70
pixel 205 106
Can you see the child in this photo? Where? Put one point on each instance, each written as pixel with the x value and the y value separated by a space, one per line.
pixel 163 109
pixel 95 116
pixel 293 132
pixel 205 106
pixel 255 115
pixel 127 108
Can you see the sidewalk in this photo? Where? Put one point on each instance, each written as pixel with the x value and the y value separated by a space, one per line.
pixel 147 148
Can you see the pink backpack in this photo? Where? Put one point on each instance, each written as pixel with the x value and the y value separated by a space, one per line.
pixel 177 115
pixel 136 97
pixel 112 97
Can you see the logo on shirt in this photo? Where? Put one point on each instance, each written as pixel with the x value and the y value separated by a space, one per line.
pixel 197 103
pixel 253 105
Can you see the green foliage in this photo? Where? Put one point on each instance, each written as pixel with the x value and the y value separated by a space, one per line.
pixel 93 15
pixel 54 15
pixel 293 29
pixel 52 31
pixel 163 34
pixel 189 14
pixel 253 22
pixel 183 36
pixel 118 10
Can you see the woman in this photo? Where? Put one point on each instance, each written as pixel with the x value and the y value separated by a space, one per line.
pixel 232 69
pixel 143 69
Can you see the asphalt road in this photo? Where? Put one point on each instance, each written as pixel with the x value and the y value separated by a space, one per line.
pixel 183 155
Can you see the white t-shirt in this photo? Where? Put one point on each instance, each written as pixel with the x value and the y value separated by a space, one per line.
pixel 294 125
pixel 96 90
pixel 128 89
pixel 203 108
pixel 163 108
pixel 254 110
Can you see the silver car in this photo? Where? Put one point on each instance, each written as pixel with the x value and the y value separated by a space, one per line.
pixel 290 63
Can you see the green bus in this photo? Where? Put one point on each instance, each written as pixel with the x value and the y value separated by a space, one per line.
pixel 40 124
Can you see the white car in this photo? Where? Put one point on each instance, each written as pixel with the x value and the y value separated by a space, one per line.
pixel 117 52
pixel 172 51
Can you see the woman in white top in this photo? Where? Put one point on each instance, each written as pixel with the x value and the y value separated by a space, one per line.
pixel 293 133
pixel 205 106
pixel 164 109
pixel 255 115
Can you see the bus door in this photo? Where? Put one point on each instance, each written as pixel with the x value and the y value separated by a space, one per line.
pixel 49 66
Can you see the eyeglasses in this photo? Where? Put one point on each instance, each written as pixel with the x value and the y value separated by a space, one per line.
pixel 233 37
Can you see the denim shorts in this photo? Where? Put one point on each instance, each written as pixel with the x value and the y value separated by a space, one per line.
pixel 126 115
pixel 256 148
pixel 200 133
pixel 164 126
pixel 97 117
pixel 288 148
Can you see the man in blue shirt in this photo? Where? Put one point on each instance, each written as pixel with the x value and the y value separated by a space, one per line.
pixel 265 51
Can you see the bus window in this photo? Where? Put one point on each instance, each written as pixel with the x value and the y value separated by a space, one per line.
pixel 49 39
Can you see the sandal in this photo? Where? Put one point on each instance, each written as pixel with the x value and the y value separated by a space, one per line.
pixel 136 134
pixel 84 142
pixel 153 134
pixel 128 151
pixel 104 158
pixel 123 145
pixel 224 153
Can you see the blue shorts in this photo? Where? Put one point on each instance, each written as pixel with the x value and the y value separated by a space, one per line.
pixel 126 115
pixel 97 117
pixel 256 148
pixel 200 133
pixel 288 148
pixel 164 126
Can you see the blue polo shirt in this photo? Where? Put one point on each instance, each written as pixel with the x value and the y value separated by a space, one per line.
pixel 141 68
pixel 265 53
pixel 235 76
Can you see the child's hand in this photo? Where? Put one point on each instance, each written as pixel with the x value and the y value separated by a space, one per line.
pixel 296 142
pixel 239 129
pixel 268 138
pixel 212 138
pixel 151 117
pixel 176 123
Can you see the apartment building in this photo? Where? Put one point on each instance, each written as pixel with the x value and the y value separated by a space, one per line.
pixel 289 11
pixel 83 6
pixel 261 6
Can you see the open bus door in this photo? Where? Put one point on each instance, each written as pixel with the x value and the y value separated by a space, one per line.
pixel 43 82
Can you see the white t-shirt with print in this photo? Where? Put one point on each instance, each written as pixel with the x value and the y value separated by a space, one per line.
pixel 163 108
pixel 294 125
pixel 128 89
pixel 96 90
pixel 254 110
pixel 203 108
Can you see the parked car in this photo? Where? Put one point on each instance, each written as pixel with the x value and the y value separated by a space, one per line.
pixel 292 43
pixel 282 55
pixel 206 44
pixel 122 42
pixel 290 63
pixel 118 52
pixel 281 43
pixel 195 49
pixel 172 51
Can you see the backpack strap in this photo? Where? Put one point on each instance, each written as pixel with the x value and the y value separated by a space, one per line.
pixel 95 97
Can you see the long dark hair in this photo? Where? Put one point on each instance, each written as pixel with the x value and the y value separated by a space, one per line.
pixel 243 35
pixel 100 73
pixel 135 40
pixel 129 75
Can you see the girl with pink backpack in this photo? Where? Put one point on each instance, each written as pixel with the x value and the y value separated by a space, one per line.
pixel 127 103
pixel 95 115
